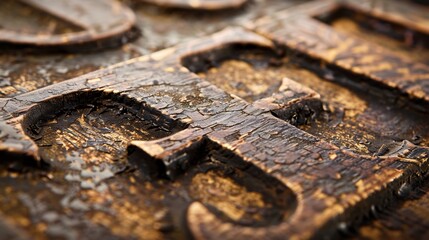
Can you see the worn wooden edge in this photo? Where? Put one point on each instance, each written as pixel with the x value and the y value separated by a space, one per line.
pixel 253 134
pixel 392 13
pixel 90 33
pixel 300 32
pixel 292 99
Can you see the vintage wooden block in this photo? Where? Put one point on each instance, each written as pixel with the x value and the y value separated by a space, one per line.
pixel 28 69
pixel 77 25
pixel 288 128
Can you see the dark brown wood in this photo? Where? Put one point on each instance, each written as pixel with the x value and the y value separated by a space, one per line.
pixel 425 2
pixel 80 22
pixel 331 183
pixel 287 129
pixel 22 71
pixel 321 42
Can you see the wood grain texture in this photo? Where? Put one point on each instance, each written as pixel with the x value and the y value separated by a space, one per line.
pixel 159 146
pixel 296 29
pixel 331 185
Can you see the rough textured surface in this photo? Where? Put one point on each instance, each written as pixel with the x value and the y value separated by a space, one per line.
pixel 296 29
pixel 80 23
pixel 405 219
pixel 286 129
pixel 23 70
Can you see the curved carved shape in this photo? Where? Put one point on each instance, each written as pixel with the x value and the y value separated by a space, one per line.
pixel 333 186
pixel 16 148
pixel 94 124
pixel 88 21
pixel 234 191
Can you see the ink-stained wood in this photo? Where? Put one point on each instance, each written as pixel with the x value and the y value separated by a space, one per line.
pixel 291 128
pixel 216 120
pixel 296 29
pixel 79 23
pixel 407 218
pixel 24 70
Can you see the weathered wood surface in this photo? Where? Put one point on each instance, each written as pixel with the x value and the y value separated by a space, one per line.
pixel 296 29
pixel 81 23
pixel 330 184
pixel 275 135
pixel 407 218
pixel 22 70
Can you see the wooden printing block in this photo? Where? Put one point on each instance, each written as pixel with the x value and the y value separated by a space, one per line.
pixel 66 25
pixel 24 69
pixel 232 163
pixel 196 130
